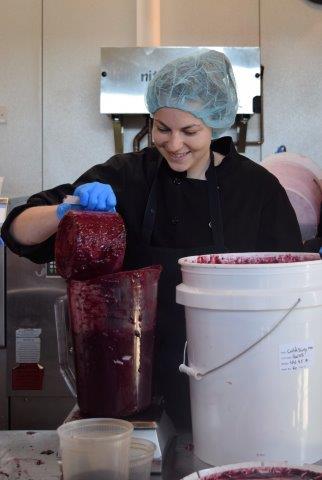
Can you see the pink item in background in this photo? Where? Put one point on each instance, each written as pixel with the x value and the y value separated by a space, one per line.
pixel 301 179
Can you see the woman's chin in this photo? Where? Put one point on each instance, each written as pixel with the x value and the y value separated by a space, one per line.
pixel 177 166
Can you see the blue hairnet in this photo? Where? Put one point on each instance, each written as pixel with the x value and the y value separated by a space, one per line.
pixel 201 84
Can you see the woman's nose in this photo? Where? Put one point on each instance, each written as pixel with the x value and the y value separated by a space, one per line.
pixel 174 143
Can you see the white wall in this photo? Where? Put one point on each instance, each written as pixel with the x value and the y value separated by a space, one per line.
pixel 291 49
pixel 75 135
pixel 207 22
pixel 20 93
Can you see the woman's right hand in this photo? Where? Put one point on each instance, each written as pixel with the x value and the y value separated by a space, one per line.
pixel 96 196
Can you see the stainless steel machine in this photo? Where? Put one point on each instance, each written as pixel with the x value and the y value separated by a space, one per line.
pixel 3 358
pixel 36 396
pixel 126 72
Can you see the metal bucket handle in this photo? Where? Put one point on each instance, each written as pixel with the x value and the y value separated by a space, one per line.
pixel 194 373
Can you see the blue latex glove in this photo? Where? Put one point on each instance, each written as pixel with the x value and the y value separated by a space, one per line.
pixel 66 207
pixel 96 196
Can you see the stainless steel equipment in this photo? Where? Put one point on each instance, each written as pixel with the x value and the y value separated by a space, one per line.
pixel 3 393
pixel 3 212
pixel 126 72
pixel 36 394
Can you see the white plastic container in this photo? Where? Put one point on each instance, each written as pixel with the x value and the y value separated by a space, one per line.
pixel 254 336
pixel 141 456
pixel 95 448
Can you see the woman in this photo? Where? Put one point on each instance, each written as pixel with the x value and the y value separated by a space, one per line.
pixel 187 195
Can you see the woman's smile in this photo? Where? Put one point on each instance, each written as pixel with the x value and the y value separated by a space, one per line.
pixel 178 156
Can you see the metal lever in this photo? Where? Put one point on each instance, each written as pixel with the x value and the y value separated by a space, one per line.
pixel 118 133
pixel 241 141
pixel 146 130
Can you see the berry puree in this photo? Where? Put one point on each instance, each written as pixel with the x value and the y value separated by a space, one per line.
pixel 112 321
pixel 89 244
pixel 255 258
pixel 262 473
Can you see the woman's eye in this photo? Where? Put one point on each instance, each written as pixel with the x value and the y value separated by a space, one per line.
pixel 163 130
pixel 190 133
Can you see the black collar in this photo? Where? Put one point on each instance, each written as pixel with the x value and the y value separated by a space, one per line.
pixel 224 145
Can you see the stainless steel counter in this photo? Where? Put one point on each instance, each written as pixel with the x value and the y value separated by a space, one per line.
pixel 34 456
pixel 180 460
pixel 29 455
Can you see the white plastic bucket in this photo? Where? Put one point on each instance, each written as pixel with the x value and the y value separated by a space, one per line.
pixel 257 328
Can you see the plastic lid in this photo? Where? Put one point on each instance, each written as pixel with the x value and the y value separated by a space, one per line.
pixel 95 429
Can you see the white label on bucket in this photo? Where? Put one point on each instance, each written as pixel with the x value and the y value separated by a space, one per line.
pixel 296 355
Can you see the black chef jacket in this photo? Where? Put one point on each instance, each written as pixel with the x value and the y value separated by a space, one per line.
pixel 256 212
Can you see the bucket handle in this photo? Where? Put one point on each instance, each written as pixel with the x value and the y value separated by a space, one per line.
pixel 193 372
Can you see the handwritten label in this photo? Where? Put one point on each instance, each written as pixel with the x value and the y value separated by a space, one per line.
pixel 294 356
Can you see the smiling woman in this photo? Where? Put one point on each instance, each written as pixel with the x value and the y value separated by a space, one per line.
pixel 183 140
pixel 190 194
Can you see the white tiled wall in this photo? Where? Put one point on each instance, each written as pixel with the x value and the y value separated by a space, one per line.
pixel 76 135
pixel 52 139
pixel 20 93
pixel 291 48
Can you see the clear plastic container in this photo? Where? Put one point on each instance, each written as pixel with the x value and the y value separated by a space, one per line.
pixel 95 448
pixel 141 456
pixel 112 321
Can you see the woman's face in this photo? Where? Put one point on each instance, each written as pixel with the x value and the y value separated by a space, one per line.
pixel 183 140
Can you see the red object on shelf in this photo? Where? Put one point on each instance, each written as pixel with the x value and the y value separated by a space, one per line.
pixel 27 376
